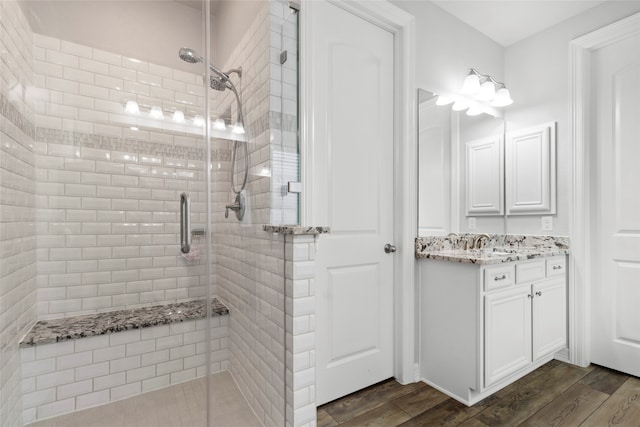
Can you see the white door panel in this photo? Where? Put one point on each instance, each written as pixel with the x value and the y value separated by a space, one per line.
pixel 352 193
pixel 615 332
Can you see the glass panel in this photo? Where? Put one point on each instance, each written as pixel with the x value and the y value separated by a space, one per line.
pixel 102 163
pixel 248 263
pixel 119 189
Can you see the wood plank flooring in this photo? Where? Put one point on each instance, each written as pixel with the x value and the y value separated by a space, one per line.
pixel 557 394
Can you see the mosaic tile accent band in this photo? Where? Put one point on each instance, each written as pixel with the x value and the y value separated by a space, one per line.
pixel 80 139
pixel 11 113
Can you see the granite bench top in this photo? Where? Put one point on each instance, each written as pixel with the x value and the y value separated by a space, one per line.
pixel 71 328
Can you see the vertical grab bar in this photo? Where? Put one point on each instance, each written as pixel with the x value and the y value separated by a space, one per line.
pixel 185 223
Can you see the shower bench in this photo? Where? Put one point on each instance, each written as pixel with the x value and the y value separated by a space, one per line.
pixel 78 362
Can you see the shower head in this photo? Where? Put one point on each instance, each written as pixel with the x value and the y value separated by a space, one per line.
pixel 218 83
pixel 189 55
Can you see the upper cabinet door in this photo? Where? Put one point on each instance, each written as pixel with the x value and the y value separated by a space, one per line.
pixel 531 170
pixel 485 176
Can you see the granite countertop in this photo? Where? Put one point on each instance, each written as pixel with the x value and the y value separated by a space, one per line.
pixel 296 229
pixel 69 328
pixel 497 249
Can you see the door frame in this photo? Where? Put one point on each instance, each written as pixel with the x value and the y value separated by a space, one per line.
pixel 580 280
pixel 402 26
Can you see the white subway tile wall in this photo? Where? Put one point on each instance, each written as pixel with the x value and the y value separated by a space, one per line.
pixel 108 196
pixel 72 375
pixel 18 281
pixel 300 327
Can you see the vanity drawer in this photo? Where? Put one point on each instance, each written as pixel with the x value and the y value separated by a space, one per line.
pixel 556 266
pixel 530 271
pixel 499 276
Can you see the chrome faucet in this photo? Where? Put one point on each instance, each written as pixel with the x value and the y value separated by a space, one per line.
pixel 477 241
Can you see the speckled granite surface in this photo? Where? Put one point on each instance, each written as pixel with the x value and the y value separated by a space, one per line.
pixel 69 328
pixel 296 229
pixel 495 250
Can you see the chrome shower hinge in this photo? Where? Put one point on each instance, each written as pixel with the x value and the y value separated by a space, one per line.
pixel 283 57
pixel 295 5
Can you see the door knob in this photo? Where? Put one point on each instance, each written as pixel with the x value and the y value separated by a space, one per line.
pixel 388 248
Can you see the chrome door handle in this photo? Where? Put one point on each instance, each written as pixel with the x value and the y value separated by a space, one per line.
pixel 185 223
pixel 389 248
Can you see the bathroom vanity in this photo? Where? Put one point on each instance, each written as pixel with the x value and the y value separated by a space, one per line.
pixel 489 316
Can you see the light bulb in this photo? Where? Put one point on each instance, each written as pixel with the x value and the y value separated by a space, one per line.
pixel 219 124
pixel 444 100
pixel 178 116
pixel 238 128
pixel 460 105
pixel 132 107
pixel 156 113
pixel 487 91
pixel 198 121
pixel 502 99
pixel 471 84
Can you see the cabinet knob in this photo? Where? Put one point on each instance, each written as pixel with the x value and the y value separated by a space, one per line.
pixel 529 296
pixel 496 278
pixel 557 267
pixel 389 248
pixel 539 293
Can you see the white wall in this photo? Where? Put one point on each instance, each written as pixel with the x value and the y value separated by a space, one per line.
pixel 537 74
pixel 447 48
pixel 17 205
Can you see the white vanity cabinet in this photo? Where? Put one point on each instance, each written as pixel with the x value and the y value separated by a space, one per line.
pixel 483 327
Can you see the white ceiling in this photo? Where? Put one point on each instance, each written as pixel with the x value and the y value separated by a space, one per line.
pixel 509 21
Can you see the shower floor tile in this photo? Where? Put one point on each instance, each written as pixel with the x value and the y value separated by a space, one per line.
pixel 180 405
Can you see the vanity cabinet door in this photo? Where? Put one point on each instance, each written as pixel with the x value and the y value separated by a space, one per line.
pixel 549 316
pixel 507 337
pixel 485 176
pixel 531 171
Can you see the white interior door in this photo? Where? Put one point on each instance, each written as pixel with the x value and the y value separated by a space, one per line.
pixel 615 293
pixel 352 191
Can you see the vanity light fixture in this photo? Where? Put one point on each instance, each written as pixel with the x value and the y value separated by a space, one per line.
pixel 485 88
pixel 478 94
pixel 503 97
pixel 471 84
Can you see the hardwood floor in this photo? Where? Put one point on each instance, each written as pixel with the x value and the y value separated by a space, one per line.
pixel 557 394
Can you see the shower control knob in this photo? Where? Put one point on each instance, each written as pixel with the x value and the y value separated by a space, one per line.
pixel 389 248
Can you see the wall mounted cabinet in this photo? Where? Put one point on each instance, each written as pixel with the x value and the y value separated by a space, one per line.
pixel 530 163
pixel 485 176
